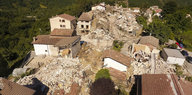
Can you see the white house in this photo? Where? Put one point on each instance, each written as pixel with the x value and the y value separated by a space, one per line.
pixel 173 56
pixel 63 21
pixel 84 23
pixel 116 60
pixel 58 43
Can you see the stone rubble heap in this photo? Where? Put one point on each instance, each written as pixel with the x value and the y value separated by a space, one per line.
pixel 100 39
pixel 119 20
pixel 161 67
pixel 59 74
pixel 141 68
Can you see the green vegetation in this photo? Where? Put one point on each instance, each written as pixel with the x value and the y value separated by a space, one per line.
pixel 188 78
pixel 179 71
pixel 20 20
pixel 173 46
pixel 175 24
pixel 103 73
pixel 117 45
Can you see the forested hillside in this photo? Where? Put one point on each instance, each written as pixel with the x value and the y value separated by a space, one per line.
pixel 21 20
pixel 147 3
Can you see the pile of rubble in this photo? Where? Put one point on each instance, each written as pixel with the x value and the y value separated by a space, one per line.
pixel 114 23
pixel 59 74
pixel 99 38
pixel 141 68
pixel 118 20
pixel 163 68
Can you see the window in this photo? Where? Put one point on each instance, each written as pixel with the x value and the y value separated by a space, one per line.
pixel 61 25
pixel 45 50
pixel 60 20
pixel 63 20
pixel 82 26
pixel 87 26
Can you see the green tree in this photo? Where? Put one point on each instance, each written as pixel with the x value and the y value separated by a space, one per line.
pixel 103 73
pixel 142 20
pixel 117 45
pixel 169 8
pixel 159 29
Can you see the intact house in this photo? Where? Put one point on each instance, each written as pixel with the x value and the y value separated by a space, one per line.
pixel 63 21
pixel 60 42
pixel 173 56
pixel 147 45
pixel 84 23
pixel 116 60
pixel 162 84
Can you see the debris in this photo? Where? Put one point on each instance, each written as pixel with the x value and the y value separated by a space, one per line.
pixel 18 71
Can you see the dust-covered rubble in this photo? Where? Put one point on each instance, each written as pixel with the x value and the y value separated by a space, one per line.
pixel 59 74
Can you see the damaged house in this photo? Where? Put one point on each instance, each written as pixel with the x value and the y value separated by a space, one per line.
pixel 62 41
pixel 84 23
pixel 146 45
pixel 116 60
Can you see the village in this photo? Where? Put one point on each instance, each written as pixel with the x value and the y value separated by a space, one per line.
pixel 65 62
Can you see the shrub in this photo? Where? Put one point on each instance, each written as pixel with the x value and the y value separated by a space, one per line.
pixel 103 73
pixel 117 45
pixel 179 71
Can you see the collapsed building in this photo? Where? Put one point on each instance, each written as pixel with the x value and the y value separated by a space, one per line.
pixel 145 46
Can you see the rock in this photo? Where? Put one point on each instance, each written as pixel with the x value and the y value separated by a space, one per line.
pixel 18 71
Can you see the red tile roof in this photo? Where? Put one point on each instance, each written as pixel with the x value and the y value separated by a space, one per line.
pixel 66 16
pixel 149 40
pixel 119 57
pixel 156 84
pixel 11 88
pixel 55 40
pixel 117 74
pixel 85 17
pixel 62 32
pixel 164 84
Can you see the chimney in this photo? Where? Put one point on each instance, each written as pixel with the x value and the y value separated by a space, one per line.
pixel 34 39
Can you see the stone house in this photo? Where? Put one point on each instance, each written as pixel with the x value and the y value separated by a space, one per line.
pixel 173 56
pixel 84 23
pixel 116 60
pixel 57 44
pixel 62 21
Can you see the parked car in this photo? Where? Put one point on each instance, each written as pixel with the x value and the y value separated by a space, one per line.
pixel 184 53
pixel 189 59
